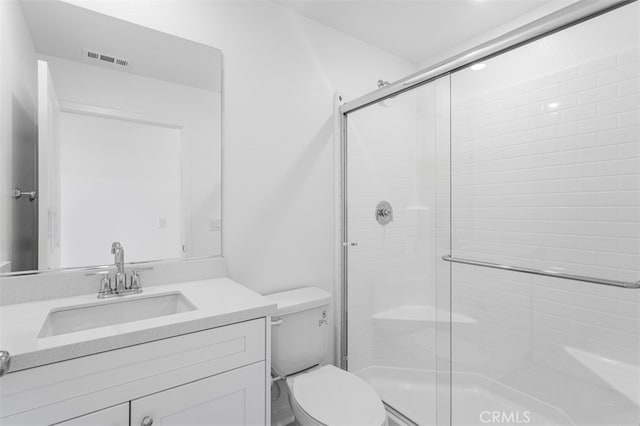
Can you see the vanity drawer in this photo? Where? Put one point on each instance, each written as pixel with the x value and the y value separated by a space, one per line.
pixel 58 391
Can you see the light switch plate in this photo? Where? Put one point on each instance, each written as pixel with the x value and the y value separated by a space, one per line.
pixel 215 224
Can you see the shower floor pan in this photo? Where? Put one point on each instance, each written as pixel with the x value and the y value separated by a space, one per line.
pixel 409 392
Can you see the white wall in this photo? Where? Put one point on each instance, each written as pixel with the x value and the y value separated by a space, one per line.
pixel 18 76
pixel 281 71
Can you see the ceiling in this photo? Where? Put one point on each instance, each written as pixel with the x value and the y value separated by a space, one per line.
pixel 65 30
pixel 415 30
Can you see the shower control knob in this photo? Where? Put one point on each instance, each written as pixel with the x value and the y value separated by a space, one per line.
pixel 146 421
pixel 384 213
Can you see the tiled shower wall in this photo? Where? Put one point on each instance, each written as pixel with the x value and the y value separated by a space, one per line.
pixel 546 174
pixel 390 267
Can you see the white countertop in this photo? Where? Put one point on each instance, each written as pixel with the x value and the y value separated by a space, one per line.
pixel 219 302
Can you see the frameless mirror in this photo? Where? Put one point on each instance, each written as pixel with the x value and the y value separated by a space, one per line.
pixel 115 135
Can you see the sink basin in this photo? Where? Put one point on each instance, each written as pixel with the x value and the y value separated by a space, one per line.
pixel 74 318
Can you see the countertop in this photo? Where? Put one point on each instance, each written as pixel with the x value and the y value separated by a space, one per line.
pixel 219 302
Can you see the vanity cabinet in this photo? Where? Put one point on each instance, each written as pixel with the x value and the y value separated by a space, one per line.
pixel 219 376
pixel 232 398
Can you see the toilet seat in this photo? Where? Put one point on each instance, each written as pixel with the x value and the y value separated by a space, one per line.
pixel 331 396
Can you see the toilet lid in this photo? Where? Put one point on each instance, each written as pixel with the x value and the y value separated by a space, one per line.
pixel 335 397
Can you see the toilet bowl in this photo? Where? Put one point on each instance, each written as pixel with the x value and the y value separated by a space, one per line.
pixel 318 395
pixel 331 396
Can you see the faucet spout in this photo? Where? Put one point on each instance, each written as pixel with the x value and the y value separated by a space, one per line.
pixel 118 251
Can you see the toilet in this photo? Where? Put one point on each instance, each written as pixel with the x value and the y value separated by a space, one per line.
pixel 319 395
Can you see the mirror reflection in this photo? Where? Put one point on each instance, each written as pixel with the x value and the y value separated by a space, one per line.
pixel 115 135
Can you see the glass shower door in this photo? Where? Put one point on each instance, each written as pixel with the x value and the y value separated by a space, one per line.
pixel 397 178
pixel 546 175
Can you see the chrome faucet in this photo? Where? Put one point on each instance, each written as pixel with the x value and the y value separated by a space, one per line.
pixel 121 286
pixel 121 278
pixel 118 251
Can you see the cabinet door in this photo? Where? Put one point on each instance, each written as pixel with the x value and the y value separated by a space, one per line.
pixel 233 398
pixel 113 416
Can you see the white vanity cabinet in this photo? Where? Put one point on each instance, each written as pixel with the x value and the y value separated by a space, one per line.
pixel 232 398
pixel 218 376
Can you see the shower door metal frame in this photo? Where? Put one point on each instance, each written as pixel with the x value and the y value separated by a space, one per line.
pixel 344 246
pixel 561 19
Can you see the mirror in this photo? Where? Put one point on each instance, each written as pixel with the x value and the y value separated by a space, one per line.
pixel 115 135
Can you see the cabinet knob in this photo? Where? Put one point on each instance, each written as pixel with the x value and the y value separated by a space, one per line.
pixel 147 421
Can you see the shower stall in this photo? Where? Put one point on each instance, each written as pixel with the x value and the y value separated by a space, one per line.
pixel 491 229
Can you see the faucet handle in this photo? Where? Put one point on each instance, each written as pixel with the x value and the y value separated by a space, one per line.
pixel 120 282
pixel 135 281
pixel 105 284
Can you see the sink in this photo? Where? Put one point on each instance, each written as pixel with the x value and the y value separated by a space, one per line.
pixel 74 318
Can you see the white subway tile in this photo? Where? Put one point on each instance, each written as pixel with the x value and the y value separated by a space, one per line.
pixel 598 124
pixel 579 84
pixel 598 65
pixel 619 167
pixel 540 95
pixel 630 118
pixel 598 94
pixel 579 113
pixel 619 198
pixel 632 55
pixel 619 136
pixel 620 104
pixel 629 87
pixel 561 130
pixel 621 73
pixel 629 150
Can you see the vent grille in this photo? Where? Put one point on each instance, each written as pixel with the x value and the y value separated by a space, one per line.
pixel 105 58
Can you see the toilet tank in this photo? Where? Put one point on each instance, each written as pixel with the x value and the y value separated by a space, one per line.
pixel 300 329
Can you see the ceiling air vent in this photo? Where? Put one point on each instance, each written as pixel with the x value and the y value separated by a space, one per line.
pixel 105 58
